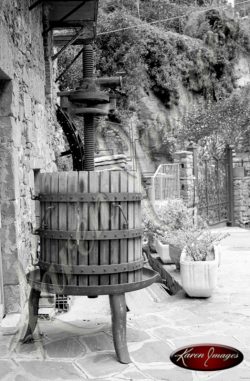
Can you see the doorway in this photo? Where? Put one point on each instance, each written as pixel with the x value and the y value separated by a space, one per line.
pixel 5 104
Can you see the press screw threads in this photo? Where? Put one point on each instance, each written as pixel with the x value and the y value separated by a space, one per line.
pixel 88 61
pixel 89 128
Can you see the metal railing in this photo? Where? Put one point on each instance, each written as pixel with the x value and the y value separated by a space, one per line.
pixel 166 183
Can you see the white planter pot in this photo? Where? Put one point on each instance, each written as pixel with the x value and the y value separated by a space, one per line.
pixel 199 278
pixel 162 251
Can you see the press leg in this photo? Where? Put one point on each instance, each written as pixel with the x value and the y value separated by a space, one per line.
pixel 33 315
pixel 119 312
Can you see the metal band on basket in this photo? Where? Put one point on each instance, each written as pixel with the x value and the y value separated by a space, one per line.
pixel 90 235
pixel 92 269
pixel 90 197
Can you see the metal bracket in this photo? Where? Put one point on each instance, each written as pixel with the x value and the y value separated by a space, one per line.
pixel 125 226
pixel 33 231
pixel 33 196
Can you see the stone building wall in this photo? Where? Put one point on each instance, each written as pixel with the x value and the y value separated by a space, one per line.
pixel 28 137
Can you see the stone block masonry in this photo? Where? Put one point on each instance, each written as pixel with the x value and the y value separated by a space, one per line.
pixel 187 179
pixel 241 189
pixel 28 137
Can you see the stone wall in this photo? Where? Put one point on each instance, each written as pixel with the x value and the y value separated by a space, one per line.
pixel 29 137
pixel 187 178
pixel 241 182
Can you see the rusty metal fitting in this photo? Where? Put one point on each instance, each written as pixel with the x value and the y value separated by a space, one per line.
pixel 88 97
pixel 109 82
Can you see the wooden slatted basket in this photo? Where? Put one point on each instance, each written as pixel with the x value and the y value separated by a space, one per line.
pixel 90 231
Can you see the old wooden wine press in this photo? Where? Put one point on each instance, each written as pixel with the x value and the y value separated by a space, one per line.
pixel 90 233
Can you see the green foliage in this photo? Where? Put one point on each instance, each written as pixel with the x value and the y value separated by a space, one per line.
pixel 172 213
pixel 201 247
pixel 74 74
pixel 197 52
pixel 160 61
pixel 221 123
pixel 245 33
pixel 171 222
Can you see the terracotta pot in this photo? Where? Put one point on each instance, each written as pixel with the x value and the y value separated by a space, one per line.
pixel 199 278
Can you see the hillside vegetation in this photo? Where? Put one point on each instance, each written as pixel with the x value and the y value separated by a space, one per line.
pixel 194 55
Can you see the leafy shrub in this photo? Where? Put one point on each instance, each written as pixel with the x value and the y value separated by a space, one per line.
pixel 224 122
pixel 200 247
pixel 158 60
pixel 171 222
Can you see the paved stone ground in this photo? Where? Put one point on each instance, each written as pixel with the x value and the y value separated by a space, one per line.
pixel 78 345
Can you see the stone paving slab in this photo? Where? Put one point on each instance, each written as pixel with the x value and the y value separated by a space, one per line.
pixel 98 342
pixel 78 345
pixel 151 352
pixel 51 370
pixel 65 348
pixel 7 369
pixel 101 365
pixel 172 374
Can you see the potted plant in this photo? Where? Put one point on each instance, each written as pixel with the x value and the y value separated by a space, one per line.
pixel 199 264
pixel 166 225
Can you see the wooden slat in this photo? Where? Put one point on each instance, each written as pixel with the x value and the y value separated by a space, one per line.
pixel 172 285
pixel 123 242
pixel 54 220
pixel 93 225
pixel 131 245
pixel 62 218
pixel 114 222
pixel 83 226
pixel 137 224
pixel 104 225
pixel 72 223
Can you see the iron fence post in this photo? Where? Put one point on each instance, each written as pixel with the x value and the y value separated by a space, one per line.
pixel 229 160
pixel 193 148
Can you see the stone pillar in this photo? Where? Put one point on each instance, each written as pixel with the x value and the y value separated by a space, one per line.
pixel 241 189
pixel 241 186
pixel 187 178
